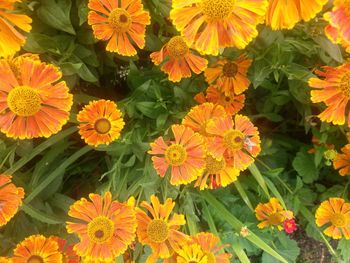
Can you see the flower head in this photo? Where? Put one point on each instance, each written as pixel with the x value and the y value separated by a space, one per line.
pixel 190 253
pixel 119 23
pixel 180 60
pixel 101 122
pixel 290 226
pixel 158 230
pixel 335 213
pixel 184 156
pixel 68 254
pixel 341 161
pixel 105 228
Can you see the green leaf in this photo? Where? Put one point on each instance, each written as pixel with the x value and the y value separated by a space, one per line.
pixel 259 178
pixel 244 195
pixel 344 249
pixel 331 49
pixel 38 215
pixel 305 166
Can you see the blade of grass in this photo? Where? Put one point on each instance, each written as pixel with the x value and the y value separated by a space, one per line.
pixel 244 195
pixel 275 192
pixel 237 248
pixel 38 215
pixel 259 178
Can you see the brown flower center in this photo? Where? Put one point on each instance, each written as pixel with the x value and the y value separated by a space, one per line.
pixel 102 126
pixel 158 231
pixel 339 220
pixel 24 101
pixel 177 47
pixel 217 9
pixel 214 166
pixel 35 259
pixel 345 85
pixel 230 69
pixel 100 229
pixel 276 218
pixel 120 20
pixel 176 154
pixel 233 140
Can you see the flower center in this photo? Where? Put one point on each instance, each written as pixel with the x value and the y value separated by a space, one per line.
pixel 102 126
pixel 214 166
pixel 35 259
pixel 217 9
pixel 339 220
pixel 177 47
pixel 345 85
pixel 175 154
pixel 233 140
pixel 276 218
pixel 158 231
pixel 120 20
pixel 100 229
pixel 24 101
pixel 230 69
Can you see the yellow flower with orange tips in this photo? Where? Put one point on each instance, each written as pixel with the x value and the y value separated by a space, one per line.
pixel 272 214
pixel 11 39
pixel 333 89
pixel 335 213
pixel 297 10
pixel 34 102
pixel 341 161
pixel 209 25
pixel 10 199
pixel 105 227
pixel 101 122
pixel 184 157
pixel 159 229
pixel 37 249
pixel 191 253
pixel 230 75
pixel 237 140
pixel 121 23
pixel 178 60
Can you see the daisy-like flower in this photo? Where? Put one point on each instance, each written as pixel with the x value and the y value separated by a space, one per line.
pixel 298 10
pixel 332 88
pixel 235 140
pixel 272 214
pixel 158 230
pixel 121 23
pixel 335 36
pixel 37 249
pixel 214 94
pixel 11 39
pixel 33 101
pixel 101 122
pixel 232 75
pixel 10 199
pixel 209 25
pixel 336 212
pixel 68 254
pixel 191 253
pixel 180 60
pixel 105 228
pixel 341 161
pixel 184 156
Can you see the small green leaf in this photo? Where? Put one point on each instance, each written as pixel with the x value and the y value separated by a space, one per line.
pixel 305 166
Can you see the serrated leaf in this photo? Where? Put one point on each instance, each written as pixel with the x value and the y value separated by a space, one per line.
pixel 304 164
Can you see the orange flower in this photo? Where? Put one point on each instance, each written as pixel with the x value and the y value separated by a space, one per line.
pixel 342 161
pixel 5 260
pixel 209 25
pixel 190 253
pixel 10 39
pixel 179 60
pixel 336 212
pixel 334 35
pixel 159 231
pixel 10 199
pixel 37 248
pixel 119 24
pixel 33 101
pixel 232 75
pixel 334 90
pixel 298 10
pixel 101 122
pixel 105 228
pixel 237 141
pixel 68 255
pixel 231 103
pixel 272 214
pixel 184 156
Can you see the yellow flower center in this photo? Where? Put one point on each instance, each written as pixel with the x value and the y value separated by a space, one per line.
pixel 214 166
pixel 100 229
pixel 157 231
pixel 102 126
pixel 345 85
pixel 233 140
pixel 276 218
pixel 339 220
pixel 120 20
pixel 35 259
pixel 175 154
pixel 177 47
pixel 217 9
pixel 211 258
pixel 230 69
pixel 24 101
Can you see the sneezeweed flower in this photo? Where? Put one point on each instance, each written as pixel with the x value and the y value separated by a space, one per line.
pixel 34 102
pixel 105 227
pixel 298 10
pixel 209 25
pixel 184 157
pixel 191 253
pixel 10 199
pixel 5 260
pixel 272 214
pixel 290 226
pixel 333 88
pixel 231 74
pixel 119 24
pixel 178 60
pixel 159 230
pixel 236 140
pixel 341 161
pixel 68 254
pixel 37 249
pixel 11 39
pixel 101 122
pixel 336 212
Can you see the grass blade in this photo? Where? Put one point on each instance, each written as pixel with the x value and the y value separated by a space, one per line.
pixel 40 216
pixel 259 178
pixel 244 195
